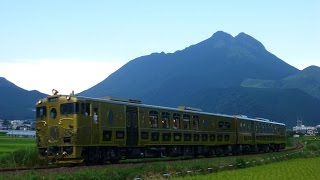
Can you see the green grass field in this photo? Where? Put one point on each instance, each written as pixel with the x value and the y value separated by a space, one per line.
pixel 299 165
pixel 285 170
pixel 17 151
pixel 10 144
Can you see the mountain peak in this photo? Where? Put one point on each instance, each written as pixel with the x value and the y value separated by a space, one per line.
pixel 249 41
pixel 5 83
pixel 312 69
pixel 221 35
pixel 217 40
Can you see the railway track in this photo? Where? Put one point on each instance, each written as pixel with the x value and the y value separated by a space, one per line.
pixel 27 168
pixel 297 147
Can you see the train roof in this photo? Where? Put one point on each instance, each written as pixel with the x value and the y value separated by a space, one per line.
pixel 133 102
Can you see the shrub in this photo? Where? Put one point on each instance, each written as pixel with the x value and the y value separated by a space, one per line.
pixel 26 157
pixel 241 163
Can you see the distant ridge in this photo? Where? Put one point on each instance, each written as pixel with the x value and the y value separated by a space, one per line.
pixel 307 80
pixel 17 103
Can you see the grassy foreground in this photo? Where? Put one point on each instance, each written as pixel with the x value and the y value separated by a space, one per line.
pixel 194 168
pixel 17 151
pixel 286 170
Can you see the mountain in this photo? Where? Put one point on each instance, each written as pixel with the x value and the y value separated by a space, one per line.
pixel 6 84
pixel 17 103
pixel 281 105
pixel 220 61
pixel 307 80
pixel 211 75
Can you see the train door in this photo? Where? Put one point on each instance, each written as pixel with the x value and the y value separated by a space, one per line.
pixel 132 126
pixel 96 120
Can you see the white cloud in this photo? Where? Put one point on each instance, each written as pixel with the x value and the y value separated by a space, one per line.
pixel 64 75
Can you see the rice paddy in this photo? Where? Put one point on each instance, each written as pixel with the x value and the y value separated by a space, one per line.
pixel 10 144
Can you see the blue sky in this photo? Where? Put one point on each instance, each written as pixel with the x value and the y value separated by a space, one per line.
pixel 37 36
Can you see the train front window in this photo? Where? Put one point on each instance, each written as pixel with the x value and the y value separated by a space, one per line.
pixel 41 112
pixel 53 113
pixel 69 108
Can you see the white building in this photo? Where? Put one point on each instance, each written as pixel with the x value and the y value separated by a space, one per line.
pixel 306 130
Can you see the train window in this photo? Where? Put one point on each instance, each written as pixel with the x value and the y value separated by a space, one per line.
pixel 177 136
pixel 155 136
pixel 77 108
pixel 187 137
pixel 153 119
pixel 95 115
pixel 144 135
pixel 110 118
pixel 227 125
pixel 85 109
pixel 176 121
pixel 212 137
pixel 226 137
pixel 186 121
pixel 224 125
pixel 119 134
pixel 107 135
pixel 195 122
pixel 243 128
pixel 204 137
pixel 53 113
pixel 219 137
pixel 165 120
pixel 87 112
pixel 82 108
pixel 221 124
pixel 166 136
pixel 206 123
pixel 69 108
pixel 41 112
pixel 196 137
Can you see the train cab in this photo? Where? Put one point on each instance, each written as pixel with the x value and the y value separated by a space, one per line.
pixel 56 122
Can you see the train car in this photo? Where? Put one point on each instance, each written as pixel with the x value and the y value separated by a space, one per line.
pixel 74 129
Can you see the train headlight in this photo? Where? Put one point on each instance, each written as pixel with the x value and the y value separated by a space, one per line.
pixel 40 101
pixel 68 98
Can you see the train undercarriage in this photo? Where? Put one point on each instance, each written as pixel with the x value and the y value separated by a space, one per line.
pixel 103 154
